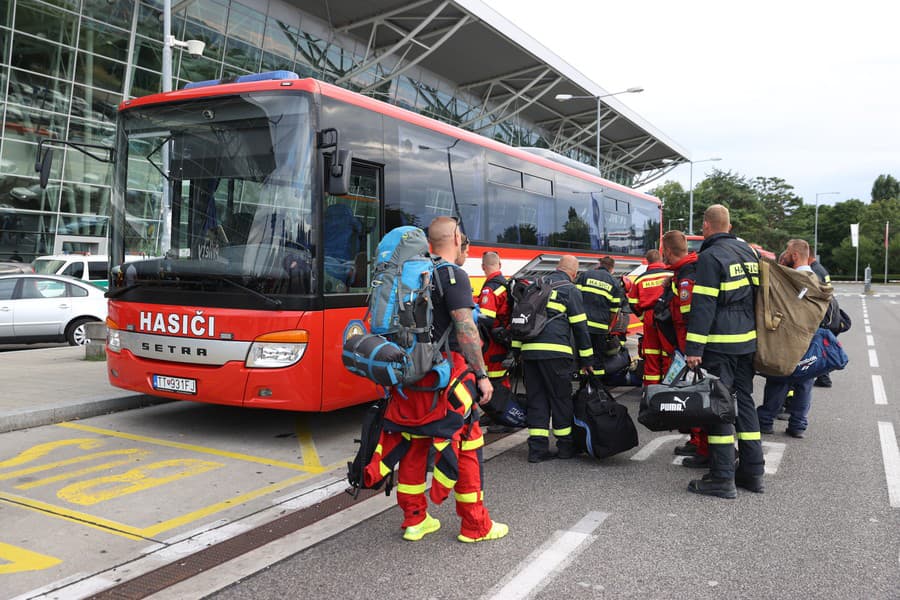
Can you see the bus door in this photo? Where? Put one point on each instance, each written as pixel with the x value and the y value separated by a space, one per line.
pixel 351 230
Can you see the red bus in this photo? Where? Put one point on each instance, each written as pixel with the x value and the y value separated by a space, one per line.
pixel 695 241
pixel 262 202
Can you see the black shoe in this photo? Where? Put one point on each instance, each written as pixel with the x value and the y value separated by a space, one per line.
pixel 567 453
pixel 687 449
pixel 536 457
pixel 696 462
pixel 823 380
pixel 796 433
pixel 766 429
pixel 720 488
pixel 783 416
pixel 753 483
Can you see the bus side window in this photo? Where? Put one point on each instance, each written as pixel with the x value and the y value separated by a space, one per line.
pixel 351 233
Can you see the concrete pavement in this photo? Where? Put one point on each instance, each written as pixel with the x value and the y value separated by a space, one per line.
pixel 51 385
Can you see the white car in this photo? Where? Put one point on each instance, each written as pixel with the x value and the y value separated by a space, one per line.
pixel 48 308
pixel 90 268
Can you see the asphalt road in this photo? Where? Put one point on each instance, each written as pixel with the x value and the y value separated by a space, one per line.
pixel 825 527
pixel 178 477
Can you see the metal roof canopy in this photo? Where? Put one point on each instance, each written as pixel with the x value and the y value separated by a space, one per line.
pixel 487 56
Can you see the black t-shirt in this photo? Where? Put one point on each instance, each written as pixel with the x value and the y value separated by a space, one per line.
pixel 454 292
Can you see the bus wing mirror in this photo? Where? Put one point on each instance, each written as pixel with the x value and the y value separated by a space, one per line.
pixel 339 173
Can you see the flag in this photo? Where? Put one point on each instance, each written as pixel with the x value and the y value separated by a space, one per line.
pixel 886 223
pixel 854 235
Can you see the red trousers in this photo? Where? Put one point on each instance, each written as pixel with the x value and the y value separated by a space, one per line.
pixel 462 478
pixel 656 359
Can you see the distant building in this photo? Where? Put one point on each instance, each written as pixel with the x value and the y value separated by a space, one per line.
pixel 65 65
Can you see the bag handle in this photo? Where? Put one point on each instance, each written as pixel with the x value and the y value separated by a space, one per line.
pixel 685 371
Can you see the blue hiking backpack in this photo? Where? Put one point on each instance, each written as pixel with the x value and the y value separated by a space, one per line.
pixel 398 349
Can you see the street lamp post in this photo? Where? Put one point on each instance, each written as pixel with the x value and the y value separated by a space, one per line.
pixel 816 225
pixel 567 97
pixel 691 193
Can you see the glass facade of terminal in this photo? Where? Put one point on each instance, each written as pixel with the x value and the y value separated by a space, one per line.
pixel 65 65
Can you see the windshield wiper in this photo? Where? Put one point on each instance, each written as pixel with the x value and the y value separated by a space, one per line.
pixel 273 301
pixel 120 291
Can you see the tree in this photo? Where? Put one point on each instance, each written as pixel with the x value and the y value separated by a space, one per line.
pixel 735 192
pixel 834 227
pixel 885 188
pixel 674 203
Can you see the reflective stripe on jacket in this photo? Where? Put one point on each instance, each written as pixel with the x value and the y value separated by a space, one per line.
pixel 723 303
pixel 602 296
pixel 555 340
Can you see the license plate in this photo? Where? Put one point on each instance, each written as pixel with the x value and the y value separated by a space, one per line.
pixel 175 384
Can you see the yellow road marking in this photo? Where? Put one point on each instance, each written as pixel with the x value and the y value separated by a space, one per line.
pixel 105 525
pixel 20 559
pixel 35 452
pixel 307 446
pixel 70 461
pixel 101 489
pixel 220 506
pixel 72 474
pixel 193 448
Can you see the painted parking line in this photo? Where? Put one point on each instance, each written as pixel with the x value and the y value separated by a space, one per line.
pixel 878 390
pixel 548 561
pixel 873 358
pixel 773 452
pixel 14 559
pixel 79 496
pixel 890 454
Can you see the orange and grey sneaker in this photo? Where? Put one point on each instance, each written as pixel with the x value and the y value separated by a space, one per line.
pixel 414 533
pixel 498 530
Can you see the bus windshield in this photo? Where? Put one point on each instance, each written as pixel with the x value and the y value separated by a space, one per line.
pixel 239 171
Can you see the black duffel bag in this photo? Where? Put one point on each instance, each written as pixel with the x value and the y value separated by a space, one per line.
pixel 602 426
pixel 701 399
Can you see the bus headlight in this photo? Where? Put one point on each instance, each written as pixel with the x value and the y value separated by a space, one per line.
pixel 278 349
pixel 113 342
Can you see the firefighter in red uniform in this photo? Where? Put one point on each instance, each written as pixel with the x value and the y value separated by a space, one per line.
pixel 492 323
pixel 683 264
pixel 411 427
pixel 645 291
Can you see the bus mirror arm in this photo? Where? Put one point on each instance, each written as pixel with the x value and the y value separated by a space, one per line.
pixel 339 173
pixel 44 159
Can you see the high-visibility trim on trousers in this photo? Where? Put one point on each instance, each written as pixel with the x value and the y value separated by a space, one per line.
pixel 721 439
pixel 539 432
pixel 748 435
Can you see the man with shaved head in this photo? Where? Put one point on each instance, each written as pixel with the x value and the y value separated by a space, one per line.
pixel 721 335
pixel 411 414
pixel 549 362
pixel 776 391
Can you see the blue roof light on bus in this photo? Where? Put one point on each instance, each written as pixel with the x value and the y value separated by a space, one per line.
pixel 267 76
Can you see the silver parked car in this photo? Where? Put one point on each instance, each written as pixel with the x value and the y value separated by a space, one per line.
pixel 47 308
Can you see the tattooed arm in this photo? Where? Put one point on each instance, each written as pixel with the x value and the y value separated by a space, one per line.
pixel 470 346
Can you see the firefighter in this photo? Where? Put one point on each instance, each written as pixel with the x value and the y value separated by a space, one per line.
pixel 721 335
pixel 548 361
pixel 684 266
pixel 409 430
pixel 645 291
pixel 602 297
pixel 492 323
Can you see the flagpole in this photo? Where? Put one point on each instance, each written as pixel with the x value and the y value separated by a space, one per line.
pixel 886 229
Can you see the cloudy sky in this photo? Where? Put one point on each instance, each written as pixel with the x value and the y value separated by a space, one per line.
pixel 809 92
